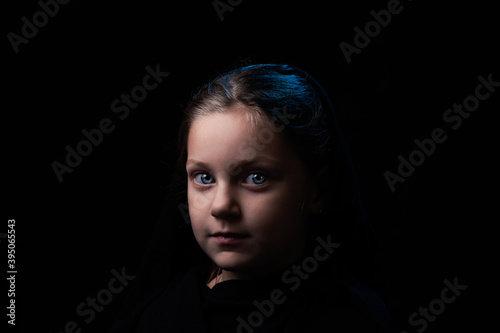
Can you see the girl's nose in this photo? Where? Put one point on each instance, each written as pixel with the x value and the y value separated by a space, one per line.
pixel 225 204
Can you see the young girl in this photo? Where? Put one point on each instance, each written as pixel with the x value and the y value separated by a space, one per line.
pixel 265 230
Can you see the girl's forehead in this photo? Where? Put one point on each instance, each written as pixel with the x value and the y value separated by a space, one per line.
pixel 217 126
pixel 230 136
pixel 253 117
pixel 237 120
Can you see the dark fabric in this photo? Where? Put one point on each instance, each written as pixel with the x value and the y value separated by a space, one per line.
pixel 322 302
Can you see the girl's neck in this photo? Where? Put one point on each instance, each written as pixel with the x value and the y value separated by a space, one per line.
pixel 228 275
pixel 232 275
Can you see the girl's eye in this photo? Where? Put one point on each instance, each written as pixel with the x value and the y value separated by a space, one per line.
pixel 256 178
pixel 204 178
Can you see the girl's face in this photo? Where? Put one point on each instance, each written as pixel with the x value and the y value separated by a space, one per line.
pixel 245 192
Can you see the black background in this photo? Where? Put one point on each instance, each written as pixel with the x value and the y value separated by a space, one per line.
pixel 438 224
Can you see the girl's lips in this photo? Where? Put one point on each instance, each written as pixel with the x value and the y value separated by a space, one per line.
pixel 229 238
pixel 229 234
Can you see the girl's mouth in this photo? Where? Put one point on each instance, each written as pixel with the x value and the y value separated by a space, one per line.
pixel 229 237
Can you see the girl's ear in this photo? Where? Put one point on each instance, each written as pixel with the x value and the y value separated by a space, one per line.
pixel 317 198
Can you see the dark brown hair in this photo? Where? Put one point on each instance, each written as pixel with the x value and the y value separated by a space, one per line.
pixel 275 92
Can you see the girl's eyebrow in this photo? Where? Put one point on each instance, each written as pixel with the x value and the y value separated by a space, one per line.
pixel 261 158
pixel 195 162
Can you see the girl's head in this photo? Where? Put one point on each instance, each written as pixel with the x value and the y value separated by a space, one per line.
pixel 257 150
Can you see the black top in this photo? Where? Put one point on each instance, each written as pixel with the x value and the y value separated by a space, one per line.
pixel 317 302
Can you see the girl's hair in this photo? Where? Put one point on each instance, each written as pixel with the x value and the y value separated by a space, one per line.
pixel 279 93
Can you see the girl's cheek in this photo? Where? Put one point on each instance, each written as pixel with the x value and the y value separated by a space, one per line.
pixel 198 232
pixel 198 203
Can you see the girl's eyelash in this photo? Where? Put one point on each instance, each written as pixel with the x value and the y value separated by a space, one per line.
pixel 263 173
pixel 195 173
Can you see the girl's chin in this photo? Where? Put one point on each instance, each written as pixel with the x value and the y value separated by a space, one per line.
pixel 232 262
pixel 241 268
